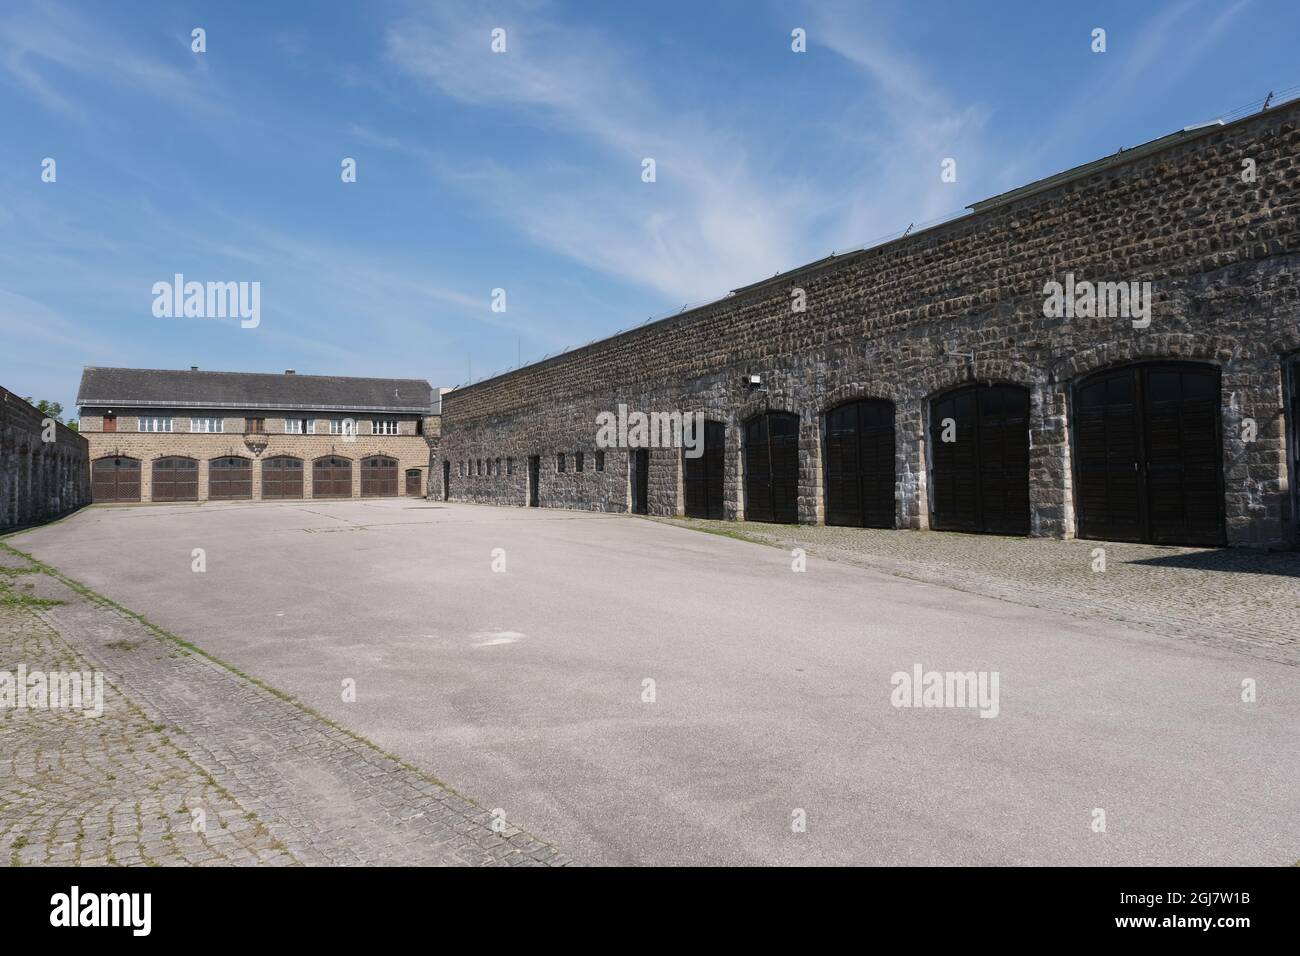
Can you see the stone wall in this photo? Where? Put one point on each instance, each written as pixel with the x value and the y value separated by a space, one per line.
pixel 958 303
pixel 39 479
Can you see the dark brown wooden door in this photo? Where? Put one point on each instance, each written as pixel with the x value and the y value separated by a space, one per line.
pixel 980 479
pixel 331 477
pixel 1111 495
pixel 860 464
pixel 1149 455
pixel 282 477
pixel 1184 455
pixel 772 468
pixel 230 479
pixel 115 479
pixel 413 489
pixel 110 423
pixel 702 476
pixel 641 481
pixel 378 477
pixel 175 479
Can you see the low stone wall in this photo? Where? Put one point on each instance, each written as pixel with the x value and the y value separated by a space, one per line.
pixel 39 479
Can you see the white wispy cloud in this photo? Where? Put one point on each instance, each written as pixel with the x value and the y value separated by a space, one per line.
pixel 44 47
pixel 709 220
pixel 715 219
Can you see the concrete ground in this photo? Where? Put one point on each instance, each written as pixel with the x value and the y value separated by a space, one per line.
pixel 525 688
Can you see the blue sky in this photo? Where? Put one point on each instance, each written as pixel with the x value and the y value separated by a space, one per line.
pixel 522 170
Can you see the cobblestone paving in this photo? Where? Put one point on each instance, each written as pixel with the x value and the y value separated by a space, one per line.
pixel 181 732
pixel 1245 600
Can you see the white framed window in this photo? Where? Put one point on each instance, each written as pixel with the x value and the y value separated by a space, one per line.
pixel 206 425
pixel 383 426
pixel 154 424
pixel 343 426
pixel 302 426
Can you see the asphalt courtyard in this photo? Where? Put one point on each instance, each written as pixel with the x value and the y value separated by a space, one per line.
pixel 508 652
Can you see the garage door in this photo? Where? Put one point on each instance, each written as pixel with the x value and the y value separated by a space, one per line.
pixel 331 477
pixel 175 479
pixel 230 478
pixel 980 478
pixel 772 468
pixel 379 477
pixel 282 477
pixel 860 464
pixel 1148 455
pixel 702 476
pixel 115 479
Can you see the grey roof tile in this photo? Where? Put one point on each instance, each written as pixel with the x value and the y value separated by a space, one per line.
pixel 174 388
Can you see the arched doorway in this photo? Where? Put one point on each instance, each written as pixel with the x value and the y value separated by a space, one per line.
pixel 331 477
pixel 1148 454
pixel 175 479
pixel 860 464
pixel 979 472
pixel 282 477
pixel 772 468
pixel 115 478
pixel 230 478
pixel 379 477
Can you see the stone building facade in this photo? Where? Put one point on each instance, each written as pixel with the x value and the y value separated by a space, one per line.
pixel 39 479
pixel 195 436
pixel 952 325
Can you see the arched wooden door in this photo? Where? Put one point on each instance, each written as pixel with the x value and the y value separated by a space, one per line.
pixel 230 478
pixel 860 464
pixel 175 479
pixel 379 477
pixel 115 478
pixel 331 477
pixel 282 477
pixel 772 468
pixel 979 474
pixel 1148 453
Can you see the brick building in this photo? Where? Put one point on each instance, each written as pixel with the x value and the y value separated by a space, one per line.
pixel 165 435
pixel 940 381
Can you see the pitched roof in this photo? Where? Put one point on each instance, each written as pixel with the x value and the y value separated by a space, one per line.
pixel 172 388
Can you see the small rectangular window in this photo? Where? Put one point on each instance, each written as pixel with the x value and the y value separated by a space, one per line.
pixel 559 462
pixel 498 467
pixel 577 461
pixel 383 426
pixel 255 426
pixel 207 425
pixel 480 467
pixel 343 426
pixel 155 424
pixel 600 460
pixel 510 466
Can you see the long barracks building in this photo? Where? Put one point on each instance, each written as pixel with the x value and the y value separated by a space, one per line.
pixel 930 383
pixel 175 435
